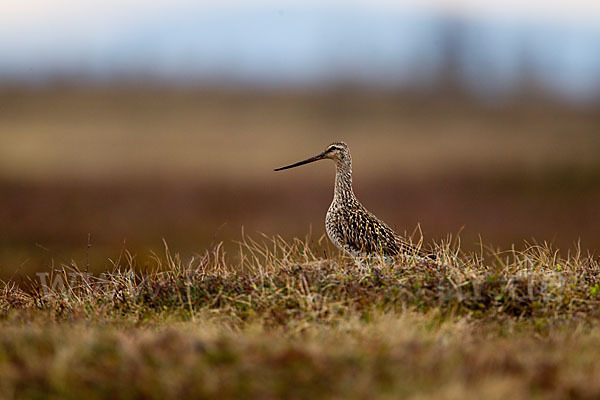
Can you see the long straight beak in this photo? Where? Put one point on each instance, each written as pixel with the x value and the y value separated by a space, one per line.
pixel 299 163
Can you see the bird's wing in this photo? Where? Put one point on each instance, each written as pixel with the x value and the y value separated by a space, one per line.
pixel 367 234
pixel 390 242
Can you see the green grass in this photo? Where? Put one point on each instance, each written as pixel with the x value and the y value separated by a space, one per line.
pixel 288 322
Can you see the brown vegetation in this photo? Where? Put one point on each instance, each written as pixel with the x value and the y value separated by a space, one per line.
pixel 287 323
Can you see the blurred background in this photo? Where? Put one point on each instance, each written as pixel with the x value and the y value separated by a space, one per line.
pixel 133 121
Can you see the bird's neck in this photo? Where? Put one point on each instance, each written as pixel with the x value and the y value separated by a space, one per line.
pixel 343 182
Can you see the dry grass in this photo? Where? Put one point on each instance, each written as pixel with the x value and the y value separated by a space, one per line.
pixel 407 355
pixel 286 322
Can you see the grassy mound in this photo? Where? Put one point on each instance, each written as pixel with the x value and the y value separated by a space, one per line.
pixel 286 322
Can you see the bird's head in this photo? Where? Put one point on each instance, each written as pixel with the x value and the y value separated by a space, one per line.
pixel 336 151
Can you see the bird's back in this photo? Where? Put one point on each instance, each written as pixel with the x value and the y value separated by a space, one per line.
pixel 352 228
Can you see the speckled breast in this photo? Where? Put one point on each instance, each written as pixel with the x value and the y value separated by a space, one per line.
pixel 335 222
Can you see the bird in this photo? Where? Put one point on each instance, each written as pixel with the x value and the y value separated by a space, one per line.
pixel 349 225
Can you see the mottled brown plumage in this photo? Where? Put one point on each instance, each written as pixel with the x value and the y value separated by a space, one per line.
pixel 349 225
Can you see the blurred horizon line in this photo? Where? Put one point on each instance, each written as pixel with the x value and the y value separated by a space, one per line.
pixel 441 94
pixel 310 47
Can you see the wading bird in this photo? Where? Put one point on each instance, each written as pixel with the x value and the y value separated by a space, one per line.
pixel 349 225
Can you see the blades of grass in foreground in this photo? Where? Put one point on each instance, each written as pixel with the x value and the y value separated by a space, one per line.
pixel 281 322
pixel 283 281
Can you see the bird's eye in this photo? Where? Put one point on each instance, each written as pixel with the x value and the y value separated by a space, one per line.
pixel 332 148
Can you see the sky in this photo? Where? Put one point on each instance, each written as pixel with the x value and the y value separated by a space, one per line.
pixel 302 43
